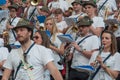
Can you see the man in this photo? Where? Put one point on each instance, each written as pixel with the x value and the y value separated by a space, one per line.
pixel 77 10
pixel 83 49
pixel 61 24
pixel 12 22
pixel 98 24
pixel 30 60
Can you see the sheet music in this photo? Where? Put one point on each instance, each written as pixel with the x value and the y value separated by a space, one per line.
pixel 66 38
pixel 4 14
pixel 85 68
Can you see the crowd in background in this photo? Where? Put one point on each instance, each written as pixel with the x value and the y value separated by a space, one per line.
pixel 94 26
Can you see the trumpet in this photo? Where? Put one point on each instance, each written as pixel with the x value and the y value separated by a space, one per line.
pixel 72 29
pixel 35 2
pixel 66 53
pixel 5 36
pixel 114 27
pixel 106 12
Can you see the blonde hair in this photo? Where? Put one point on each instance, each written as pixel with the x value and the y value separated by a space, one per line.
pixel 54 27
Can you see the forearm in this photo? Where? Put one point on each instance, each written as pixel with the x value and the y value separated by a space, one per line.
pixel 56 49
pixel 54 71
pixel 6 74
pixel 56 75
pixel 110 72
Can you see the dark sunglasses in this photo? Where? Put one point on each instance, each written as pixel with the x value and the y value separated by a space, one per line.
pixel 36 37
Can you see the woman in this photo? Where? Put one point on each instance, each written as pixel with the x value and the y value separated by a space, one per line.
pixel 110 68
pixel 41 38
pixel 56 45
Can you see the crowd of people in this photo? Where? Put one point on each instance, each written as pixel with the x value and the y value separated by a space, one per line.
pixel 31 47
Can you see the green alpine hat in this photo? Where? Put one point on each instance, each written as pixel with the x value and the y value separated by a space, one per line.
pixel 85 21
pixel 24 23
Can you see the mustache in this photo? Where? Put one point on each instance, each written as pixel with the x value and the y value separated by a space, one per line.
pixel 19 36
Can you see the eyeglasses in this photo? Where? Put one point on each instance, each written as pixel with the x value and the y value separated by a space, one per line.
pixel 36 37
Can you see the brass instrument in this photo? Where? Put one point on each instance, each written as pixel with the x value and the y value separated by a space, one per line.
pixel 118 17
pixel 106 13
pixel 66 53
pixel 112 24
pixel 41 28
pixel 114 27
pixel 38 26
pixel 35 2
pixel 72 29
pixel 5 36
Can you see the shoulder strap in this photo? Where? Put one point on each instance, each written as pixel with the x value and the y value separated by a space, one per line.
pixel 21 61
pixel 102 6
pixel 94 74
pixel 32 13
pixel 12 29
pixel 14 76
pixel 84 39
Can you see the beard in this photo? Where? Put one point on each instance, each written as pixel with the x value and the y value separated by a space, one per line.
pixel 24 40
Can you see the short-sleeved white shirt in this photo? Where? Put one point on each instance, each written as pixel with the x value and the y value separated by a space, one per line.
pixel 98 22
pixel 59 4
pixel 111 4
pixel 112 62
pixel 37 57
pixel 56 55
pixel 3 55
pixel 14 22
pixel 61 25
pixel 88 44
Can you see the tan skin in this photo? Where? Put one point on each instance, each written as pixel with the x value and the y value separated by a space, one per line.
pixel 106 41
pixel 23 36
pixel 49 27
pixel 84 32
pixel 37 38
pixel 91 12
pixel 12 15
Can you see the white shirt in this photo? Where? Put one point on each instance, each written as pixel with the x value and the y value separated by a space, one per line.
pixel 98 22
pixel 30 10
pixel 112 62
pixel 37 57
pixel 56 55
pixel 3 55
pixel 13 22
pixel 61 25
pixel 110 4
pixel 58 4
pixel 87 44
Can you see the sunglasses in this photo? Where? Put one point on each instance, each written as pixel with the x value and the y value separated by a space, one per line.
pixel 36 37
